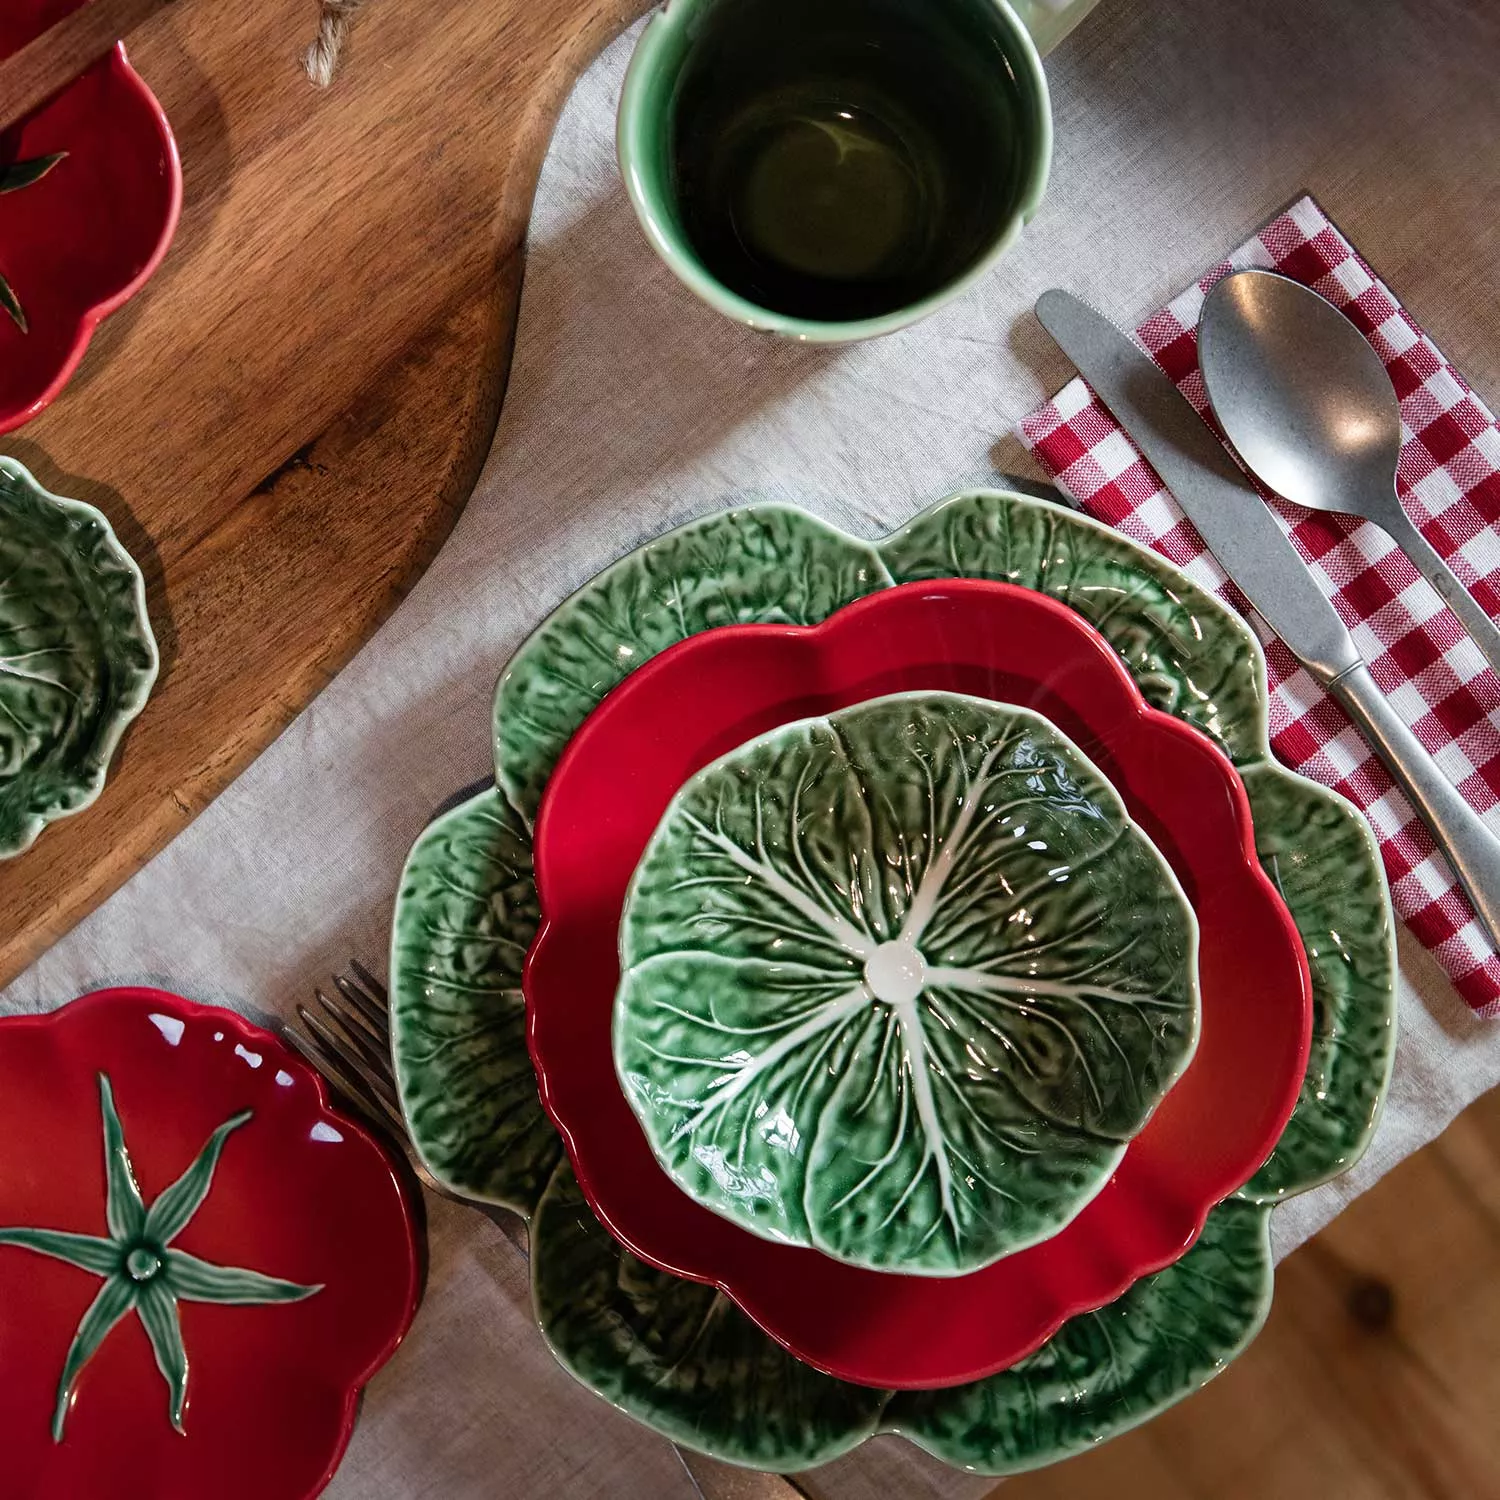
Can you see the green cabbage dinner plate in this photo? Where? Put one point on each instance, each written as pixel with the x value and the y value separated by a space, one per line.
pixel 679 1356
pixel 77 657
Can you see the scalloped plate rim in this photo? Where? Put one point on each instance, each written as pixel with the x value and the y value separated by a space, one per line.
pixel 1044 1459
pixel 131 705
pixel 1074 516
pixel 1392 1003
pixel 91 317
pixel 547 933
pixel 431 828
pixel 617 566
pixel 1265 756
pixel 249 1033
pixel 1263 759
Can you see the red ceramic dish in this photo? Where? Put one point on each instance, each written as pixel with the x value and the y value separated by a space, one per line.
pixel 1214 1129
pixel 298 1192
pixel 83 240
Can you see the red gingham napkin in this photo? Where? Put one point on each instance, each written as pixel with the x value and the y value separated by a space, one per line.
pixel 1449 481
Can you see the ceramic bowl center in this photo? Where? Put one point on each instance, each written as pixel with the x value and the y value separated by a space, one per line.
pixel 895 972
pixel 886 833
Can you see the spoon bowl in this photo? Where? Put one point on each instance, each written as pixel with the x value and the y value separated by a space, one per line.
pixel 1299 392
pixel 1311 411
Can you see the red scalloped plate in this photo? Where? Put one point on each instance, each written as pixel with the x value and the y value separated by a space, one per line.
pixel 299 1192
pixel 83 241
pixel 707 694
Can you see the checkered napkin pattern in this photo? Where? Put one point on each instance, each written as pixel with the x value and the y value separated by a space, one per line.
pixel 1449 482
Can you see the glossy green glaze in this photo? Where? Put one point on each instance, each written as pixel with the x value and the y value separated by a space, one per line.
pixel 77 658
pixel 1107 1371
pixel 900 983
pixel 1322 856
pixel 142 1273
pixel 679 1356
pixel 976 49
pixel 683 1359
pixel 466 915
pixel 1197 660
pixel 774 565
pixel 1191 656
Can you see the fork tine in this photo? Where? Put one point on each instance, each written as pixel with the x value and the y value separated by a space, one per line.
pixel 375 988
pixel 374 1044
pixel 341 1057
pixel 390 1117
pixel 348 1049
pixel 370 1011
pixel 356 1039
pixel 348 1088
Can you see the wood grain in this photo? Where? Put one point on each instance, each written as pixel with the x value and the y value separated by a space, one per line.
pixel 40 69
pixel 284 426
pixel 1378 1374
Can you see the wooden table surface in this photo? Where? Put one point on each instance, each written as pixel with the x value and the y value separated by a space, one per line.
pixel 285 424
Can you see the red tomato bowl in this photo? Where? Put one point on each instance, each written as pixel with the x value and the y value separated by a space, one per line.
pixel 80 243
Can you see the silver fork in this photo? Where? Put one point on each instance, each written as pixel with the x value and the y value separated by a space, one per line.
pixel 347 1038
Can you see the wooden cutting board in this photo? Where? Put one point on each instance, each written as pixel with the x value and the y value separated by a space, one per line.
pixel 284 426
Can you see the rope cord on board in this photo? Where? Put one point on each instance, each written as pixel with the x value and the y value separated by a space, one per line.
pixel 333 31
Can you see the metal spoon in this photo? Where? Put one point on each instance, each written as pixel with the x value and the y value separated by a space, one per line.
pixel 1309 407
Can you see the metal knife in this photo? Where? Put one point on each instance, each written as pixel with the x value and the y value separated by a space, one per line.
pixel 1241 532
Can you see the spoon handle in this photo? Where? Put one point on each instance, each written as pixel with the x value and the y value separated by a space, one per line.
pixel 1470 847
pixel 1485 633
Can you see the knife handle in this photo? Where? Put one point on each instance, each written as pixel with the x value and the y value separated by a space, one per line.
pixel 1463 837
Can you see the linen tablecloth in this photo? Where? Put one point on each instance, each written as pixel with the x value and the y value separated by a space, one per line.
pixel 632 409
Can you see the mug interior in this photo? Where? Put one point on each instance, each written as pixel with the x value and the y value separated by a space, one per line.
pixel 696 40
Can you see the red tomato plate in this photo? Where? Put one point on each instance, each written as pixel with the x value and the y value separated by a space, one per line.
pixel 201 1263
pixel 82 241
pixel 702 697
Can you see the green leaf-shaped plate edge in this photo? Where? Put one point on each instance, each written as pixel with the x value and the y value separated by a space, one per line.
pixel 1191 656
pixel 466 913
pixel 765 565
pixel 114 591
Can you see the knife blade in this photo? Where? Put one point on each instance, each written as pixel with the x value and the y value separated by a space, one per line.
pixel 1239 529
pixel 1233 520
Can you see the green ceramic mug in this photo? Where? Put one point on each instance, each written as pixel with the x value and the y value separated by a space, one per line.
pixel 832 170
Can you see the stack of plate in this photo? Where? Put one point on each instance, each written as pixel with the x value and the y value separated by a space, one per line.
pixel 895 982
